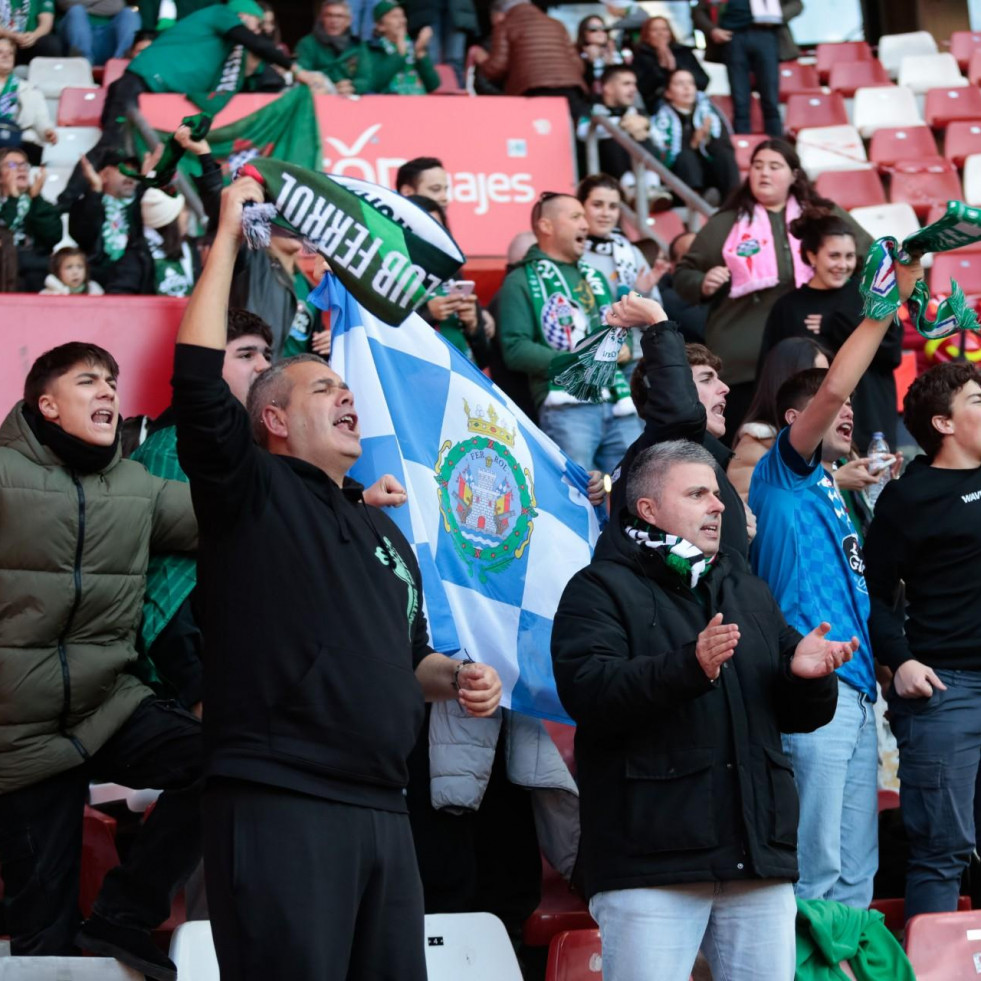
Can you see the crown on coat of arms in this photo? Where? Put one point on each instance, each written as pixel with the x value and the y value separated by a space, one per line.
pixel 490 426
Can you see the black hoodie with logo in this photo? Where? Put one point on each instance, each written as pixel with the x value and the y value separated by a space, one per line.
pixel 311 610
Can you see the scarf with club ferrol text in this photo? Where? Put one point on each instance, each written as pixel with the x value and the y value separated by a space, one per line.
pixel 387 252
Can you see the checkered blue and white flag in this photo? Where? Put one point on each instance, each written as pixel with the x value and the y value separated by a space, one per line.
pixel 496 513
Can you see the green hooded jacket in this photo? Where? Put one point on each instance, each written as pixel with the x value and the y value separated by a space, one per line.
pixel 73 559
pixel 315 56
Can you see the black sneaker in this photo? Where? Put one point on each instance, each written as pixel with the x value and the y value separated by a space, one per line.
pixel 130 945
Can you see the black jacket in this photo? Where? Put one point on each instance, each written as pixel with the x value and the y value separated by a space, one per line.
pixel 680 779
pixel 85 220
pixel 310 607
pixel 652 79
pixel 672 411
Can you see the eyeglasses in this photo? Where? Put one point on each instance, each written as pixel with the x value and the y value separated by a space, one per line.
pixel 592 28
pixel 17 165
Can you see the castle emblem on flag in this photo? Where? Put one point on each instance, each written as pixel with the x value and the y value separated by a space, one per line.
pixel 486 497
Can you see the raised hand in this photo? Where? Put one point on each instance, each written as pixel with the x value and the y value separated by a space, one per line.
pixel 634 310
pixel 715 645
pixel 385 492
pixel 816 657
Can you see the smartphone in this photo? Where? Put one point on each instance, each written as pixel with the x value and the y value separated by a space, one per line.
pixel 462 287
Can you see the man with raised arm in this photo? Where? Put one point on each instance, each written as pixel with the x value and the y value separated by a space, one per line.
pixel 311 709
pixel 807 550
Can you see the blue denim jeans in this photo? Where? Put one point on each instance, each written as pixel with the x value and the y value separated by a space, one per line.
pixel 756 50
pixel 590 434
pixel 448 45
pixel 744 929
pixel 99 44
pixel 939 751
pixel 836 771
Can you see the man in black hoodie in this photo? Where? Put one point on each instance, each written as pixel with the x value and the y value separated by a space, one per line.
pixel 680 673
pixel 314 699
pixel 926 533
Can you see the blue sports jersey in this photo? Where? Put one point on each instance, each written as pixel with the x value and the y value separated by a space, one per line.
pixel 807 551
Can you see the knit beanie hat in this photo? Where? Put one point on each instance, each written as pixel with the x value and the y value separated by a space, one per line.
pixel 246 7
pixel 383 7
pixel 160 209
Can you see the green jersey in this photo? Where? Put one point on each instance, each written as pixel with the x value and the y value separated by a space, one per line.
pixel 22 15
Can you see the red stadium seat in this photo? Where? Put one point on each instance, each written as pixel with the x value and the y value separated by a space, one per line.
pixel 894 910
pixel 724 104
pixel 963 265
pixel 945 946
pixel 847 76
pixel 961 140
pixel 564 737
pixel 80 107
pixel 667 225
pixel 963 44
pixel 560 910
pixel 795 77
pixel 923 188
pixel 576 955
pixel 974 68
pixel 448 84
pixel 815 109
pixel 889 146
pixel 944 106
pixel 99 855
pixel 888 799
pixel 744 144
pixel 851 188
pixel 831 54
pixel 114 67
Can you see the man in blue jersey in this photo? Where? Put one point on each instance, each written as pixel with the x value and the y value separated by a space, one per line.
pixel 807 551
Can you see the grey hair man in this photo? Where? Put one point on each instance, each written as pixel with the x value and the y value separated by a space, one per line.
pixel 681 673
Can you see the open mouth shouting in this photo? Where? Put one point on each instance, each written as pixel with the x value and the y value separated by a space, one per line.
pixel 347 423
pixel 844 430
pixel 104 419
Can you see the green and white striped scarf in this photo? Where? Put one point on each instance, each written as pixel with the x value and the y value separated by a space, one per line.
pixel 23 205
pixel 687 560
pixel 115 225
pixel 408 80
pixel 8 100
pixel 667 129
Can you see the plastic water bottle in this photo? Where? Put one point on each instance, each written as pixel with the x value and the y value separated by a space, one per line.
pixel 880 462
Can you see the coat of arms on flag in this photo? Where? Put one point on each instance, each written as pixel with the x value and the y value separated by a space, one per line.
pixel 486 497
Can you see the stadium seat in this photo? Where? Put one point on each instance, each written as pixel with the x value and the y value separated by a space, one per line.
pixel 815 110
pixel 55 181
pixel 878 107
pixel 945 946
pixel 560 909
pixel 829 55
pixel 666 225
pixel 192 949
pixel 831 148
pixel 62 968
pixel 847 76
pixel 894 910
pixel 114 67
pixel 894 47
pixel 448 84
pixel 947 105
pixel 795 77
pixel 73 141
pixel 922 188
pixel 974 68
pixel 724 104
pixel 963 44
pixel 888 800
pixel 962 265
pixel 718 78
pixel 961 139
pixel 80 107
pixel 922 72
pixel 901 143
pixel 744 144
pixel 51 75
pixel 576 955
pixel 972 179
pixel 99 855
pixel 898 220
pixel 852 188
pixel 468 947
pixel 564 737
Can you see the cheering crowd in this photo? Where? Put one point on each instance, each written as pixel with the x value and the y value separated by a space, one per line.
pixel 205 603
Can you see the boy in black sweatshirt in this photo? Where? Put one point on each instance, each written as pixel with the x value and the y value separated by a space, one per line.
pixel 926 534
pixel 318 664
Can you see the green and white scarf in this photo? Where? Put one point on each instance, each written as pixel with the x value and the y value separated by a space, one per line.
pixel 568 319
pixel 172 277
pixel 22 205
pixel 407 81
pixel 688 561
pixel 960 225
pixel 667 129
pixel 387 252
pixel 14 14
pixel 115 225
pixel 8 100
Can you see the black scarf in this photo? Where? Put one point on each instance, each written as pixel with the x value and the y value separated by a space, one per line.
pixel 75 453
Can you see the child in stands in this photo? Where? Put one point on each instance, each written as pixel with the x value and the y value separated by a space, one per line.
pixel 69 275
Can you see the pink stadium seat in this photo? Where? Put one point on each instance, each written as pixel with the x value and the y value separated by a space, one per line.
pixel 904 143
pixel 894 911
pixel 963 44
pixel 815 109
pixel 961 140
pixel 795 77
pixel 80 107
pixel 744 144
pixel 448 85
pixel 974 68
pixel 962 265
pixel 831 54
pixel 847 76
pixel 560 910
pixel 852 188
pixel 99 855
pixel 724 104
pixel 944 106
pixel 922 188
pixel 113 69
pixel 945 946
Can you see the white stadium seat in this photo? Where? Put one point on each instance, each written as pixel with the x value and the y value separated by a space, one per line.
pixel 877 108
pixel 831 148
pixel 922 72
pixel 894 47
pixel 51 75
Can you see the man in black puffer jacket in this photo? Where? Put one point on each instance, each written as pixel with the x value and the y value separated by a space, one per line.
pixel 681 673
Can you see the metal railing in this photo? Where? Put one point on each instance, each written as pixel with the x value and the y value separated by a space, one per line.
pixel 698 209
